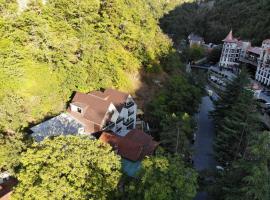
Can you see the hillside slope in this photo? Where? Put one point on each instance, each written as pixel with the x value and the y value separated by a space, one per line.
pixel 249 19
pixel 48 51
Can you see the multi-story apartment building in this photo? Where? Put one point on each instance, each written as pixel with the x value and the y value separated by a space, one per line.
pixel 231 51
pixel 236 51
pixel 263 67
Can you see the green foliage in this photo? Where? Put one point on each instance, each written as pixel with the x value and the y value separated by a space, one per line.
pixel 49 51
pixel 172 110
pixel 248 178
pixel 11 147
pixel 240 146
pixel 246 18
pixel 236 120
pixel 214 55
pixel 68 168
pixel 194 53
pixel 163 177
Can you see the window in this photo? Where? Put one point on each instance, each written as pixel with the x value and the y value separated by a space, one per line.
pixel 79 110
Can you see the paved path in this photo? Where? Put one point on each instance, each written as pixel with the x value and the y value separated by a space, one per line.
pixel 203 147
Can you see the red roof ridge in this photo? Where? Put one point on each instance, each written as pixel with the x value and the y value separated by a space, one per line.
pixel 134 146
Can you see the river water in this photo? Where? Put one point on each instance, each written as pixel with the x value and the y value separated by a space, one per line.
pixel 203 147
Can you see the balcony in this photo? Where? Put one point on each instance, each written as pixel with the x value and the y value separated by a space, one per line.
pixel 130 126
pixel 109 125
pixel 118 129
pixel 250 60
pixel 128 122
pixel 120 119
pixel 267 62
pixel 129 104
pixel 130 113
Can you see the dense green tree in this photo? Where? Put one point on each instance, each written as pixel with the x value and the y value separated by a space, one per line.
pixel 240 146
pixel 68 167
pixel 171 112
pixel 248 177
pixel 163 177
pixel 236 119
pixel 11 148
pixel 214 55
pixel 214 19
pixel 229 97
pixel 48 51
pixel 194 53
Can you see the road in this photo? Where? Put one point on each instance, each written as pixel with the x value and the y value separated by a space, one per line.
pixel 203 148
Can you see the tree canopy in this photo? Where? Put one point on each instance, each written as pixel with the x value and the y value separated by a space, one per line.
pixel 163 177
pixel 11 147
pixel 48 51
pixel 172 109
pixel 68 167
pixel 240 145
pixel 214 19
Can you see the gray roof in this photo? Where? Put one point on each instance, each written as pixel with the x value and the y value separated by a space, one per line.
pixel 62 124
pixel 195 37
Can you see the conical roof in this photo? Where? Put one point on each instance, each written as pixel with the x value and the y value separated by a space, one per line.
pixel 230 38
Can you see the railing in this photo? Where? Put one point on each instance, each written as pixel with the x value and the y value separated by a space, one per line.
pixel 118 129
pixel 128 122
pixel 119 120
pixel 130 126
pixel 129 104
pixel 110 125
pixel 130 113
pixel 249 60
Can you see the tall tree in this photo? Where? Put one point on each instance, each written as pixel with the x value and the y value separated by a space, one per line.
pixel 229 97
pixel 237 128
pixel 68 168
pixel 248 177
pixel 163 177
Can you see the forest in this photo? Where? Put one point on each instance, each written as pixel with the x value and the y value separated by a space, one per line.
pixel 213 20
pixel 48 51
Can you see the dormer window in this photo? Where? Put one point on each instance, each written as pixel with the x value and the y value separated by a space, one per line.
pixel 76 107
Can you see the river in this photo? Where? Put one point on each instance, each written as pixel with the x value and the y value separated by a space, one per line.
pixel 203 147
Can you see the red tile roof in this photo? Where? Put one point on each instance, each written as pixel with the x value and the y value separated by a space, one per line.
pixel 6 188
pixel 117 98
pixel 134 146
pixel 145 140
pixel 95 106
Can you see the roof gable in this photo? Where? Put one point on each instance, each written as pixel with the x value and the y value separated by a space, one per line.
pixel 95 106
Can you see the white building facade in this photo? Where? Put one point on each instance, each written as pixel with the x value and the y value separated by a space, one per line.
pixel 263 68
pixel 232 50
pixel 236 51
